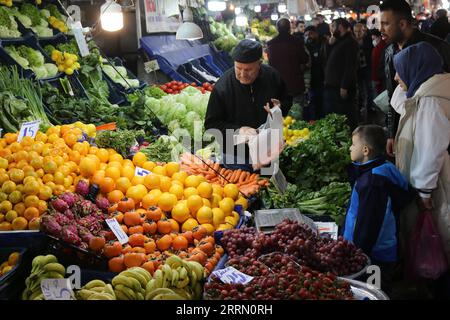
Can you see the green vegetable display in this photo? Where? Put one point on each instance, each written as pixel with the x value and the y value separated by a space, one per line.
pixel 164 149
pixel 321 159
pixel 154 92
pixel 39 24
pixel 29 58
pixel 8 25
pixel 120 140
pixel 119 75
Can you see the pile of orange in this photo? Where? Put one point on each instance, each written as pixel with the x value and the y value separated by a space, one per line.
pixel 9 264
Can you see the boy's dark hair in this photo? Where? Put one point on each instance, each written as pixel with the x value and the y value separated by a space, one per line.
pixel 310 28
pixel 374 137
pixel 400 8
pixel 298 22
pixel 283 25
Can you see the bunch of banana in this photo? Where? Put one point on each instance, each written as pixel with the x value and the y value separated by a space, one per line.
pixel 96 290
pixel 131 283
pixel 182 278
pixel 43 267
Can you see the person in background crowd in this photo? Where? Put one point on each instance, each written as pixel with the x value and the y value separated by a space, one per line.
pixel 441 27
pixel 315 21
pixel 422 99
pixel 379 193
pixel 364 70
pixel 299 30
pixel 316 46
pixel 322 27
pixel 377 56
pixel 288 56
pixel 425 26
pixel 341 72
pixel 239 97
pixel 398 31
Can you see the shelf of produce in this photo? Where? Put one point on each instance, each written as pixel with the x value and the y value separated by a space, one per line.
pixel 11 284
pixel 118 63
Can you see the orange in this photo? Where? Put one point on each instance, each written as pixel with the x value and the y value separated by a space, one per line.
pixel 31 187
pixel 137 180
pixel 19 223
pixel 31 201
pixel 37 162
pixel 159 170
pixel 42 206
pixel 5 226
pixel 5 206
pixel 15 197
pixel 113 173
pixel 11 215
pixel 34 224
pixel 75 156
pixel 8 187
pixel 230 190
pixel 123 184
pixel 136 193
pixel 217 189
pixel 31 213
pixel 190 192
pixel 152 181
pixel 3 196
pixel 115 196
pixel 64 169
pixel 150 200
pixel 180 176
pixel 107 185
pixel 166 183
pixel 27 141
pixel 13 258
pixel 41 137
pixel 68 181
pixel 98 177
pixel 49 166
pixel 70 139
pixel 19 208
pixel 175 226
pixel 139 159
pixel 194 203
pixel 172 168
pixel 215 199
pixel 3 177
pixel 3 163
pixel 58 177
pixel 205 190
pixel 243 202
pixel 10 137
pixel 127 163
pixel 204 215
pixel 148 165
pixel 167 201
pixel 93 150
pixel 16 175
pixel 189 224
pixel 177 190
pixel 87 167
pixel 206 203
pixel 180 212
pixel 115 157
pixel 128 172
pixel 227 205
pixel 192 181
pixel 218 217
pixel 209 228
pixel 103 155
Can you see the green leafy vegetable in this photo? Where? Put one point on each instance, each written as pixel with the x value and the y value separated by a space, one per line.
pixel 120 140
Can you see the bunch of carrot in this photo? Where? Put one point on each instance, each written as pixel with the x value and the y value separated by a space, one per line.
pixel 248 183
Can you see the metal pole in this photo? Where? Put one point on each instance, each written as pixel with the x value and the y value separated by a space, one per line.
pixel 138 23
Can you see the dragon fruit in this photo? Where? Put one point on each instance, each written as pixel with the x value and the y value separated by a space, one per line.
pixel 69 236
pixel 60 205
pixel 61 219
pixel 82 188
pixel 83 245
pixel 70 198
pixel 69 215
pixel 102 203
pixel 84 208
pixel 85 234
pixel 49 223
pixel 91 223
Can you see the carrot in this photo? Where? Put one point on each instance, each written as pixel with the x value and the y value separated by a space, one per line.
pixel 210 176
pixel 216 167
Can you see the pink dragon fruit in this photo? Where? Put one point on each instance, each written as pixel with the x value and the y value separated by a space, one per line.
pixel 69 215
pixel 49 223
pixel 102 203
pixel 59 205
pixel 84 208
pixel 83 245
pixel 61 219
pixel 82 188
pixel 69 236
pixel 91 223
pixel 85 234
pixel 70 198
pixel 72 227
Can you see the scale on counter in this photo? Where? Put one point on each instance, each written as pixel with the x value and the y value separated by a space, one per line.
pixel 267 219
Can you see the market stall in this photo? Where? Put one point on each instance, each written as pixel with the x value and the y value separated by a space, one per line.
pixel 93 175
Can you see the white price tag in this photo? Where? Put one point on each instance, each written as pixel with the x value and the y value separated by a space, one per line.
pixel 77 30
pixel 121 236
pixel 327 229
pixel 232 275
pixel 28 129
pixel 279 180
pixel 57 289
pixel 141 172
pixel 150 66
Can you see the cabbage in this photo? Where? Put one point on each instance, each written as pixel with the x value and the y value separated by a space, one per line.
pixel 43 23
pixel 120 75
pixel 42 31
pixel 9 33
pixel 45 13
pixel 41 72
pixel 21 61
pixel 52 70
pixel 26 21
pixel 123 72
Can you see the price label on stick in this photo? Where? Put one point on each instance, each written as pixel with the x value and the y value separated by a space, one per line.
pixel 113 224
pixel 57 289
pixel 279 180
pixel 77 30
pixel 141 172
pixel 28 129
pixel 231 275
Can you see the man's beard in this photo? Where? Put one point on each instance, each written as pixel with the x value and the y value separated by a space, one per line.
pixel 337 34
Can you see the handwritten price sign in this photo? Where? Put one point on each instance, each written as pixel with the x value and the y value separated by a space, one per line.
pixel 117 230
pixel 57 289
pixel 28 129
pixel 232 275
pixel 141 172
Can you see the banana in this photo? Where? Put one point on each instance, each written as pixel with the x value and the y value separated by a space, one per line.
pixel 94 283
pixel 182 283
pixel 182 273
pixel 25 295
pixel 175 277
pixel 126 281
pixel 98 289
pixel 150 286
pixel 154 293
pixel 184 293
pixel 110 290
pixel 120 295
pixel 37 263
pixel 174 261
pixel 135 275
pixel 198 268
pixel 100 296
pixel 158 276
pixel 84 294
pixel 193 279
pixel 39 297
pixel 198 290
pixel 143 272
pixel 167 272
pixel 127 292
pixel 35 294
pixel 49 259
pixel 140 296
pixel 168 296
pixel 56 267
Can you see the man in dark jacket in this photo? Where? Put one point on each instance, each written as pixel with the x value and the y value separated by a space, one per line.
pixel 238 99
pixel 398 31
pixel 441 27
pixel 288 56
pixel 322 27
pixel 299 30
pixel 340 72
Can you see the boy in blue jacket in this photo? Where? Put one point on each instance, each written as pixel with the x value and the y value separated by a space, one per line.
pixel 379 192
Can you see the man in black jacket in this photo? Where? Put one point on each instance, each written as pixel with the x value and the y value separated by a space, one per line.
pixel 398 31
pixel 237 102
pixel 441 27
pixel 341 72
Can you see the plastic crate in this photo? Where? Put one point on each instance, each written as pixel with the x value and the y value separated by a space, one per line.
pixel 69 254
pixel 30 41
pixel 12 284
pixel 130 75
